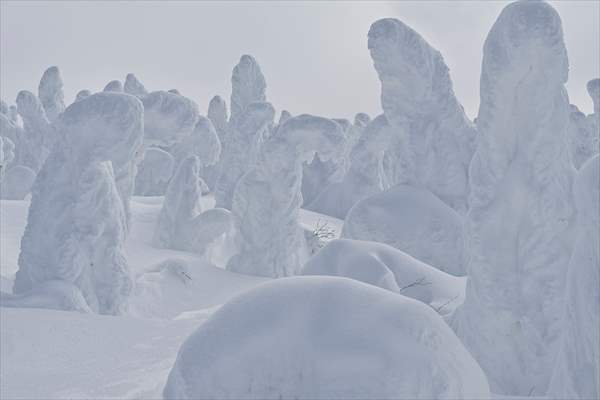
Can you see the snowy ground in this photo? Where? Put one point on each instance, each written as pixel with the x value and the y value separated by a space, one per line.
pixel 54 354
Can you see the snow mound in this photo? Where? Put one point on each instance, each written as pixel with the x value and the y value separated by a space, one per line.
pixel 154 172
pixel 324 338
pixel 414 221
pixel 17 182
pixel 53 294
pixel 384 266
pixel 435 140
pixel 577 371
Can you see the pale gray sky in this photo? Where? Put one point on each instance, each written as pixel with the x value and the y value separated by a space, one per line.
pixel 313 54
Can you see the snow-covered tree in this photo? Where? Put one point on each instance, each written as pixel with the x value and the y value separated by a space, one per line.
pixel 204 143
pixel 76 225
pixel 520 220
pixel 181 224
pixel 82 94
pixel 577 368
pixel 247 86
pixel 113 86
pixel 434 140
pixel 583 139
pixel 267 199
pixel 50 93
pixel 38 136
pixel 17 182
pixel 134 87
pixel 364 178
pixel 246 135
pixel 154 172
pixel 7 154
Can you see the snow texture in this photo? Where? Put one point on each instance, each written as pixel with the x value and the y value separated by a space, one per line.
pixel 17 182
pixel 434 139
pixel 134 87
pixel 247 86
pixel 241 149
pixel 38 136
pixel 113 86
pixel 304 344
pixel 181 224
pixel 577 371
pixel 365 176
pixel 154 172
pixel 267 198
pixel 414 221
pixel 50 93
pixel 519 225
pixel 76 225
pixel 388 268
pixel 205 144
pixel 82 94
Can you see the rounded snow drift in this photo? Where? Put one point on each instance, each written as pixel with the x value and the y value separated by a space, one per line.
pixel 389 268
pixel 414 221
pixel 324 338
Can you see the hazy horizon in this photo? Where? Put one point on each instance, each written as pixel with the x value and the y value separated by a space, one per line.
pixel 314 55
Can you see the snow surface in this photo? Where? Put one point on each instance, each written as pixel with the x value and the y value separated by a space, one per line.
pixel 304 344
pixel 414 221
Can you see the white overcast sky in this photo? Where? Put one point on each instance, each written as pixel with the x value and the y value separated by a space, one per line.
pixel 313 54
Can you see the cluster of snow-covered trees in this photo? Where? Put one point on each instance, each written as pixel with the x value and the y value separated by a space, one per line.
pixel 427 196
